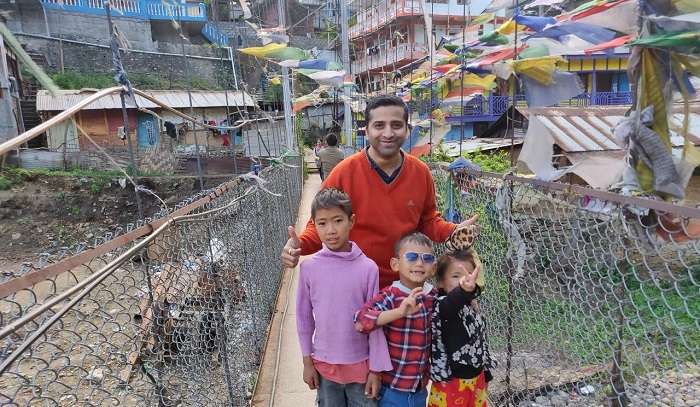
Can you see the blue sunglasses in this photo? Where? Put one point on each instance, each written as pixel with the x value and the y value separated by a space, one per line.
pixel 412 257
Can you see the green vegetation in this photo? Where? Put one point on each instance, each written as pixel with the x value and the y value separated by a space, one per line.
pixel 660 318
pixel 273 93
pixel 492 161
pixel 5 183
pixel 97 180
pixel 78 80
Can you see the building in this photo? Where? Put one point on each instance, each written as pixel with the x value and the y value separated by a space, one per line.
pixel 103 119
pixel 390 34
pixel 10 122
pixel 581 141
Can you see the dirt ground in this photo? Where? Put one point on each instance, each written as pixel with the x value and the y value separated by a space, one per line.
pixel 50 212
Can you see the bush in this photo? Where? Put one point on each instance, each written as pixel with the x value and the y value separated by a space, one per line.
pixel 5 183
pixel 494 161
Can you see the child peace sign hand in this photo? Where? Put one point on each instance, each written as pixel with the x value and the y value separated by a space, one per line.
pixel 468 281
pixel 410 304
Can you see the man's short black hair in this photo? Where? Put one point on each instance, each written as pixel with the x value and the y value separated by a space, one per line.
pixel 332 140
pixel 413 237
pixel 385 100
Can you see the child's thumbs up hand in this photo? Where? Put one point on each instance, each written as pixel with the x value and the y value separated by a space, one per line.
pixel 291 251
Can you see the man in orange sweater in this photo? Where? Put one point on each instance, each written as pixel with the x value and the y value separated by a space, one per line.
pixel 392 193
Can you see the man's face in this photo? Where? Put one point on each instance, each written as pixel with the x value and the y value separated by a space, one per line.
pixel 387 130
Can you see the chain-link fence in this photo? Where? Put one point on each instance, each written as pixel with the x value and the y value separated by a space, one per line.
pixel 172 312
pixel 591 298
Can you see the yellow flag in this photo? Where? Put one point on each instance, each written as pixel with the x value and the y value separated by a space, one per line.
pixel 508 27
pixel 540 69
pixel 262 52
pixel 471 80
pixel 482 19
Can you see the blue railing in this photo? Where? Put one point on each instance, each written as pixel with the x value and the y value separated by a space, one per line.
pixel 144 9
pixel 212 33
pixel 492 107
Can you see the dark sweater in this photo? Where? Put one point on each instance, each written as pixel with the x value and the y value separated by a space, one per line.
pixel 459 346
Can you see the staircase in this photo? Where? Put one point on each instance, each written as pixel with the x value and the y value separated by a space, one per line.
pixel 226 33
pixel 30 117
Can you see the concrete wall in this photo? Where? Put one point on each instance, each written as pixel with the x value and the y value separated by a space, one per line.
pixel 8 124
pixel 28 16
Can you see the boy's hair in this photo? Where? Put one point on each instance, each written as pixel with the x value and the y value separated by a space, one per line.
pixel 448 258
pixel 332 140
pixel 413 237
pixel 331 198
pixel 385 100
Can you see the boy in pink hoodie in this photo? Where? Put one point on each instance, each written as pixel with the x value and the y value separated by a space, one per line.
pixel 341 363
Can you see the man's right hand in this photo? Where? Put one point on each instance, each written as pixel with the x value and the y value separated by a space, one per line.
pixel 292 250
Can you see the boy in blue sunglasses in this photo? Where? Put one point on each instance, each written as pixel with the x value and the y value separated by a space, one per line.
pixel 404 310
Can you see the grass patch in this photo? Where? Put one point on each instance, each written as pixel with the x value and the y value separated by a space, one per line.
pixel 78 80
pixel 97 180
pixel 660 320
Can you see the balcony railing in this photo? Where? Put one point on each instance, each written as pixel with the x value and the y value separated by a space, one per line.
pixel 490 108
pixel 374 18
pixel 144 9
pixel 388 56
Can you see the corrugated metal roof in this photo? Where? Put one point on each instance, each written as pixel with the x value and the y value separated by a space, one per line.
pixel 581 129
pixel 174 98
pixel 479 144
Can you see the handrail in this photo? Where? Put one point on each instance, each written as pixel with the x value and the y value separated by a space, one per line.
pixel 145 9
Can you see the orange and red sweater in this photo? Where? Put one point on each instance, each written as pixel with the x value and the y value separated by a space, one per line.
pixel 384 212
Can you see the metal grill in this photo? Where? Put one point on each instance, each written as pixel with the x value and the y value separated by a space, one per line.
pixel 589 300
pixel 174 312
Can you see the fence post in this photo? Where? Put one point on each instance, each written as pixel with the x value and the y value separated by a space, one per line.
pixel 618 396
pixel 118 68
pixel 509 306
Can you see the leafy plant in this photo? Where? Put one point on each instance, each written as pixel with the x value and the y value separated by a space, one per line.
pixel 492 161
pixel 5 183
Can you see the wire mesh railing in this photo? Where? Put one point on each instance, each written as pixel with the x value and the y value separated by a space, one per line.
pixel 172 312
pixel 591 299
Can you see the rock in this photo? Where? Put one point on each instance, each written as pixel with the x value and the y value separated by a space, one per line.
pixel 96 376
pixel 541 400
pixel 559 400
pixel 16 236
pixel 89 236
pixel 587 390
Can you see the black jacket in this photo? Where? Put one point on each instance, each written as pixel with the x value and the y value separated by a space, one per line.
pixel 459 345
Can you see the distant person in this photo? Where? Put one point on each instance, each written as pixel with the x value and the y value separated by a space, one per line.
pixel 330 156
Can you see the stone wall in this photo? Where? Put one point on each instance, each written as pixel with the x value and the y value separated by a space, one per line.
pixel 94 59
